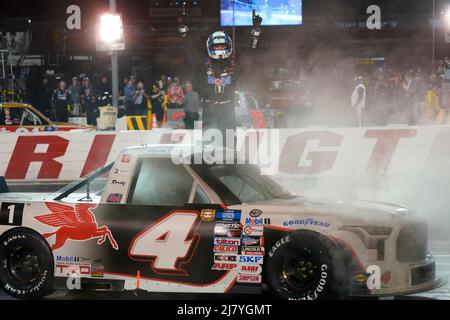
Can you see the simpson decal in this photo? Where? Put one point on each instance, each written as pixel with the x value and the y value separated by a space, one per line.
pixel 249 278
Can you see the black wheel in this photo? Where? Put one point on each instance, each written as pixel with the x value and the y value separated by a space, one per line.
pixel 26 264
pixel 304 265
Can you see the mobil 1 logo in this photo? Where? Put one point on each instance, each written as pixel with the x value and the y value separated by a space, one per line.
pixel 11 213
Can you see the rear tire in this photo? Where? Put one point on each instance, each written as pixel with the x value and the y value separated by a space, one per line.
pixel 26 264
pixel 305 265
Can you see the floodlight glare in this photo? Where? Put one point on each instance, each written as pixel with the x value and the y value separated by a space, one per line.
pixel 111 29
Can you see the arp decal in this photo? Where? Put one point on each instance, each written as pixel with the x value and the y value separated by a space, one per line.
pixel 74 223
pixel 224 266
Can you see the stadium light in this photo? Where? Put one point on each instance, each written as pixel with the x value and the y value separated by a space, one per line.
pixel 110 32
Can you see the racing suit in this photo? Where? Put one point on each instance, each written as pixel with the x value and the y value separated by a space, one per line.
pixel 62 101
pixel 216 79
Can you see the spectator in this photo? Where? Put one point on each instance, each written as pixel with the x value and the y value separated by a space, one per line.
pixel 175 94
pixel 85 83
pixel 157 100
pixel 163 84
pixel 75 93
pixel 191 104
pixel 128 93
pixel 358 101
pixel 43 98
pixel 140 100
pixel 90 106
pixel 61 102
pixel 432 104
pixel 104 86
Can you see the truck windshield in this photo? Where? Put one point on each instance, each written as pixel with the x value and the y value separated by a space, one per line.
pixel 240 183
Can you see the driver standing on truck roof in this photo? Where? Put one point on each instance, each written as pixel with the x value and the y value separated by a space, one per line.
pixel 217 79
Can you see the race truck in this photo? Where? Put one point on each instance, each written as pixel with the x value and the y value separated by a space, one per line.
pixel 288 100
pixel 160 220
pixel 22 117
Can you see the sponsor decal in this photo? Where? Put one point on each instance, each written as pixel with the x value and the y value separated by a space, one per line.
pixel 126 158
pixel 249 278
pixel 229 215
pixel 114 198
pixel 120 183
pixel 253 230
pixel 306 222
pixel 228 229
pixel 252 241
pixel 256 221
pixel 250 269
pixel 255 213
pixel 227 241
pixel 278 244
pixel 72 259
pixel 97 269
pixel 207 215
pixel 250 259
pixel 224 266
pixel 360 277
pixel 75 223
pixel 225 258
pixel 226 249
pixel 63 269
pixel 252 251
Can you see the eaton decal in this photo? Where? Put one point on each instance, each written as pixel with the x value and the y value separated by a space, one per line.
pixel 306 222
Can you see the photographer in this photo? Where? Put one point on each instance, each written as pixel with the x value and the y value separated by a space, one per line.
pixel 140 100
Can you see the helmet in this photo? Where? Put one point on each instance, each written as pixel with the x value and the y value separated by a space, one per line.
pixel 219 38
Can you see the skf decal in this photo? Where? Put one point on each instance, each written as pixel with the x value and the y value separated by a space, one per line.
pixel 207 215
pixel 75 223
pixel 251 259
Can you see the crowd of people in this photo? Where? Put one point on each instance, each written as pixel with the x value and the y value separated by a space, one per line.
pixel 82 98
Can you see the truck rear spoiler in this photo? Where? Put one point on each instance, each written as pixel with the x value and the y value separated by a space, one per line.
pixel 3 186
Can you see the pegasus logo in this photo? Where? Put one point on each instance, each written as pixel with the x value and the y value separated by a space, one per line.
pixel 75 223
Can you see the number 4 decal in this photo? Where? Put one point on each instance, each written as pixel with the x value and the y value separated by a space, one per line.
pixel 11 214
pixel 168 243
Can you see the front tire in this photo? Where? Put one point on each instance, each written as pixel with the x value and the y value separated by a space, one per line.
pixel 26 264
pixel 305 265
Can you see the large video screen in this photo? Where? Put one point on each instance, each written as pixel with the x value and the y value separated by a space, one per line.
pixel 273 12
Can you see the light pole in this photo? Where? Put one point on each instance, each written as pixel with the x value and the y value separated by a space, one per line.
pixel 115 65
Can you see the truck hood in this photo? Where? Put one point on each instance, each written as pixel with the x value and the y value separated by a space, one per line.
pixel 357 209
